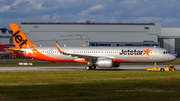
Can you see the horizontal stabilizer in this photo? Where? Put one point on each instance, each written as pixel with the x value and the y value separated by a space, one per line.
pixel 14 49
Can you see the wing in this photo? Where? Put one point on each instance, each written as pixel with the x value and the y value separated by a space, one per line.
pixel 87 57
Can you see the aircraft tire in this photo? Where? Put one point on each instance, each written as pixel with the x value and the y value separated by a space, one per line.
pixel 93 67
pixel 87 68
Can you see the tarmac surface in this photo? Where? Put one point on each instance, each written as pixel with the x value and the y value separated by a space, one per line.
pixel 79 68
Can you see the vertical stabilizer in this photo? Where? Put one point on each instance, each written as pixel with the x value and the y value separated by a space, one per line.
pixel 20 40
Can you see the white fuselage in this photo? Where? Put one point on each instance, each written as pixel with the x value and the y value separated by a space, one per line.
pixel 128 54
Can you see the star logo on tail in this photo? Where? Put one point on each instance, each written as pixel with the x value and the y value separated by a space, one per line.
pixel 28 50
pixel 146 52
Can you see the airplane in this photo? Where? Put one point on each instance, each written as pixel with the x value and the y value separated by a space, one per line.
pixel 103 57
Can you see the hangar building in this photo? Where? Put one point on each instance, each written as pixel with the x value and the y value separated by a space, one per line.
pixel 96 34
pixel 103 34
pixel 169 39
pixel 92 34
pixel 6 41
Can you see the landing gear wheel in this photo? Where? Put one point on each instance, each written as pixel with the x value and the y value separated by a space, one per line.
pixel 93 67
pixel 87 67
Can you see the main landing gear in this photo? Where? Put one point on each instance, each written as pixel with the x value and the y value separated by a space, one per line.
pixel 92 67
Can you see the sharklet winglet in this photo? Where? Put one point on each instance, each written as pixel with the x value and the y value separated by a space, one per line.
pixel 58 48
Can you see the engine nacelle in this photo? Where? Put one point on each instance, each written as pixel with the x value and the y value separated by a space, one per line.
pixel 107 63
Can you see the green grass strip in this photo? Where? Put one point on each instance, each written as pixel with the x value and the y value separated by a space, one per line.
pixel 89 85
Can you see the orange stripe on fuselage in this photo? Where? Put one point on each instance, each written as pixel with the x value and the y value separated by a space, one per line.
pixel 120 61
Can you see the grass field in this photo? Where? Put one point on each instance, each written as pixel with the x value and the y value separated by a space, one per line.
pixel 89 85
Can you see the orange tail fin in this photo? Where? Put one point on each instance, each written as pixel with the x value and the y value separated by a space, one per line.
pixel 20 40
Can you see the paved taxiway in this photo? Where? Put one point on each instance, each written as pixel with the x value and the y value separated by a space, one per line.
pixel 74 68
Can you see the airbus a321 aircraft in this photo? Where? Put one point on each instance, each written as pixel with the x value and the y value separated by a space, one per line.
pixel 105 57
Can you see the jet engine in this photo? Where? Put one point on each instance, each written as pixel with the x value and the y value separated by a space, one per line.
pixel 107 63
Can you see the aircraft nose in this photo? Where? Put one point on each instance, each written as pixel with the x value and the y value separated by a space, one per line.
pixel 172 57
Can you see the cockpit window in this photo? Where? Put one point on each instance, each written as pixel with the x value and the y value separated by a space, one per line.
pixel 166 52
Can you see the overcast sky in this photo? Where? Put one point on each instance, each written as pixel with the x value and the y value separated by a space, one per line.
pixel 117 11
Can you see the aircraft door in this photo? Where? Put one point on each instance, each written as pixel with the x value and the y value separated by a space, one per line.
pixel 155 52
pixel 34 53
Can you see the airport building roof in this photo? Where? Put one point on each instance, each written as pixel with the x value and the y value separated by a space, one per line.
pixel 80 23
